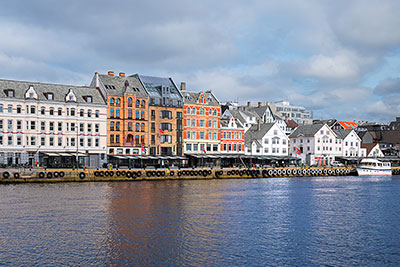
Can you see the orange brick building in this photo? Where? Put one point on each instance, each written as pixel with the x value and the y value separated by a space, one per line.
pixel 232 137
pixel 127 118
pixel 201 120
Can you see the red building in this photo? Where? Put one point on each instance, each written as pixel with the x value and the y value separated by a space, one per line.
pixel 232 137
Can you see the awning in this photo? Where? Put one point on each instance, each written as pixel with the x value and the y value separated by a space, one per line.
pixel 52 154
pixel 66 154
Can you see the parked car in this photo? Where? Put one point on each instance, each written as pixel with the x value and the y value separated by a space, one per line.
pixel 336 164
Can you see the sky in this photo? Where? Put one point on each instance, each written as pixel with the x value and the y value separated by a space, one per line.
pixel 339 59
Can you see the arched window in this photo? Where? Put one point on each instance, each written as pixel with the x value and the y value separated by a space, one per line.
pixel 202 111
pixel 81 112
pixel 112 101
pixel 194 111
pixel 202 100
pixel 111 113
pixel 142 127
pixel 188 110
pixel 130 102
pixel 118 102
pixel 215 112
pixel 137 127
pixel 137 103
pixel 143 103
pixel 112 126
pixel 142 115
pixel 210 112
pixel 137 114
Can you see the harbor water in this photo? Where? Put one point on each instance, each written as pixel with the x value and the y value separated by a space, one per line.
pixel 340 221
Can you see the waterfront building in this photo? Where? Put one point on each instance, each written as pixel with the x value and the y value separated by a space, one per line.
pixel 202 112
pixel 52 125
pixel 166 114
pixel 297 113
pixel 373 150
pixel 232 137
pixel 266 139
pixel 351 143
pixel 315 144
pixel 127 113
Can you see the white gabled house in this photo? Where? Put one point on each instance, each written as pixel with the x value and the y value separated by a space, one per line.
pixel 266 139
pixel 315 144
pixel 373 150
pixel 351 144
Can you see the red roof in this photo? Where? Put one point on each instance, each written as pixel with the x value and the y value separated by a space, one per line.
pixel 348 124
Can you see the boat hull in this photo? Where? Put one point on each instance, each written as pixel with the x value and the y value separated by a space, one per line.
pixel 374 172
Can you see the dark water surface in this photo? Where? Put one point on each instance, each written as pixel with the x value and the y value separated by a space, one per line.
pixel 299 221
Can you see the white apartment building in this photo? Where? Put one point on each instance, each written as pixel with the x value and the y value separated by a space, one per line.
pixel 289 112
pixel 351 144
pixel 266 139
pixel 52 125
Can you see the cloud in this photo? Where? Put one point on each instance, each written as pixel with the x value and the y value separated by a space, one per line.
pixel 388 86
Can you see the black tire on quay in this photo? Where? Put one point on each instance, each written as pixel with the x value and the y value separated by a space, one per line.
pixel 179 173
pixel 148 174
pixel 82 175
pixel 171 173
pixel 123 173
pixel 6 175
pixel 16 175
pixel 96 173
pixel 205 173
pixel 139 173
pixel 41 175
pixel 241 173
pixel 62 174
pixel 106 173
pixel 101 173
pixel 129 174
pixel 111 173
pixel 49 175
pixel 133 175
pixel 118 173
pixel 55 174
pixel 163 173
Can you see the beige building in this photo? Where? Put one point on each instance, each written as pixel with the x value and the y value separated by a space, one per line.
pixel 52 125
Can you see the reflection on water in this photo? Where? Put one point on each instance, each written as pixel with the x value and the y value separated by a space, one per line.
pixel 302 221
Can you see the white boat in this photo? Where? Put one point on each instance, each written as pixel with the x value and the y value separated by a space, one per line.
pixel 374 167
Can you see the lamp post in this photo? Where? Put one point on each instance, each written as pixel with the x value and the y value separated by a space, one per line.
pixel 77 146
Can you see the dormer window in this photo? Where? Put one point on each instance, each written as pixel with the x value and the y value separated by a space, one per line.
pixel 71 98
pixel 49 96
pixel 88 98
pixel 9 92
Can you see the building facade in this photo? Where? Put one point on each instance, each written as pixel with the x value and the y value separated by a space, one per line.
pixel 297 113
pixel 165 115
pixel 266 139
pixel 232 137
pixel 202 112
pixel 51 125
pixel 127 113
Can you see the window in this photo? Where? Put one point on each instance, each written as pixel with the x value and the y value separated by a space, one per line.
pixel 89 127
pixel 209 124
pixel 43 141
pixel 210 112
pixel 111 113
pixel 129 114
pixel 224 147
pixel 129 101
pixel 10 125
pixel 215 124
pixel 215 112
pixel 201 111
pixel 89 141
pixel 215 136
pixel 97 113
pixel 166 114
pixel 112 101
pixel 137 103
pixel 117 113
pixel 33 125
pixel 153 127
pixel 188 112
pixel 202 123
pixel 19 140
pixel 1 108
pixel 51 112
pixel 112 126
pixel 137 114
pixel 81 113
pixel 19 109
pixel 142 127
pixel 81 141
pixel 137 127
pixel 97 142
pixel 9 93
pixel 72 112
pixel 59 111
pixel 193 122
pixel 194 111
pixel 118 101
pixel 142 115
pixel 9 108
pixel 73 141
pixel 81 127
pixel 43 126
pixel 10 140
pixel 188 147
pixel 59 141
pixel 96 128
pixel 209 136
pixel 89 99
pixel 142 103
pixel 19 124
pixel 42 110
pixel 201 135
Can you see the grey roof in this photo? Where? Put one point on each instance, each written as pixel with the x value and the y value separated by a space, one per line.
pixel 259 110
pixel 342 133
pixel 193 97
pixel 59 91
pixel 253 133
pixel 117 85
pixel 236 114
pixel 306 130
pixel 225 123
pixel 155 85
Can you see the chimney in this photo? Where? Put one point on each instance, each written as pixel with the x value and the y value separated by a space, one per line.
pixel 183 86
pixel 96 77
pixel 259 104
pixel 258 125
pixel 122 74
pixel 111 73
pixel 248 103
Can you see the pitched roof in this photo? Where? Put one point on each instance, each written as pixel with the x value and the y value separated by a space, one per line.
pixel 193 98
pixel 291 124
pixel 257 134
pixel 59 91
pixel 369 147
pixel 348 124
pixel 342 133
pixel 306 130
pixel 259 110
pixel 117 85
pixel 391 136
pixel 236 114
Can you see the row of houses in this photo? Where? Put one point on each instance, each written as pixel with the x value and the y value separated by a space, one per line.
pixel 123 118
